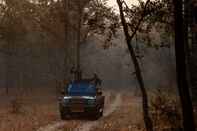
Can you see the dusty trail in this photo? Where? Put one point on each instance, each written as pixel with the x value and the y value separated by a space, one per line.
pixel 87 125
pixel 90 124
pixel 53 127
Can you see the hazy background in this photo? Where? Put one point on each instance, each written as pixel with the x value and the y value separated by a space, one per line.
pixel 39 60
pixel 115 68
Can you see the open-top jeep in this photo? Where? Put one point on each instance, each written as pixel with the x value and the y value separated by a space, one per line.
pixel 81 98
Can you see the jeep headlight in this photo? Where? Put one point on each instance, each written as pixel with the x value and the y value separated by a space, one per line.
pixel 66 100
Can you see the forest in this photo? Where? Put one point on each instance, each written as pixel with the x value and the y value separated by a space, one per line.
pixel 141 54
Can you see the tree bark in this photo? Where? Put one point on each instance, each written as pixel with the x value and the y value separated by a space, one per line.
pixel 146 115
pixel 80 9
pixel 183 88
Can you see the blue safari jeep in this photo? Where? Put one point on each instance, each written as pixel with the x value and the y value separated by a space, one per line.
pixel 81 98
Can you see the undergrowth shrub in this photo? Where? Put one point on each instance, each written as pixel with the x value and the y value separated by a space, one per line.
pixel 165 112
pixel 16 106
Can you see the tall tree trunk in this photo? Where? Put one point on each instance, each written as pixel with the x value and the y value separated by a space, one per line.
pixel 183 88
pixel 146 115
pixel 80 9
pixel 186 39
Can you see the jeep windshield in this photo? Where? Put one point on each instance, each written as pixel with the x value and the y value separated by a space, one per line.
pixel 81 88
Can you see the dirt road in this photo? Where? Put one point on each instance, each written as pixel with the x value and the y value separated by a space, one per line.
pixel 57 126
pixel 110 109
pixel 86 125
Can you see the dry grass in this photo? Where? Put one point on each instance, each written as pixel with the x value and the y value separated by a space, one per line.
pixel 30 110
pixel 38 108
pixel 126 118
pixel 165 111
pixel 27 112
